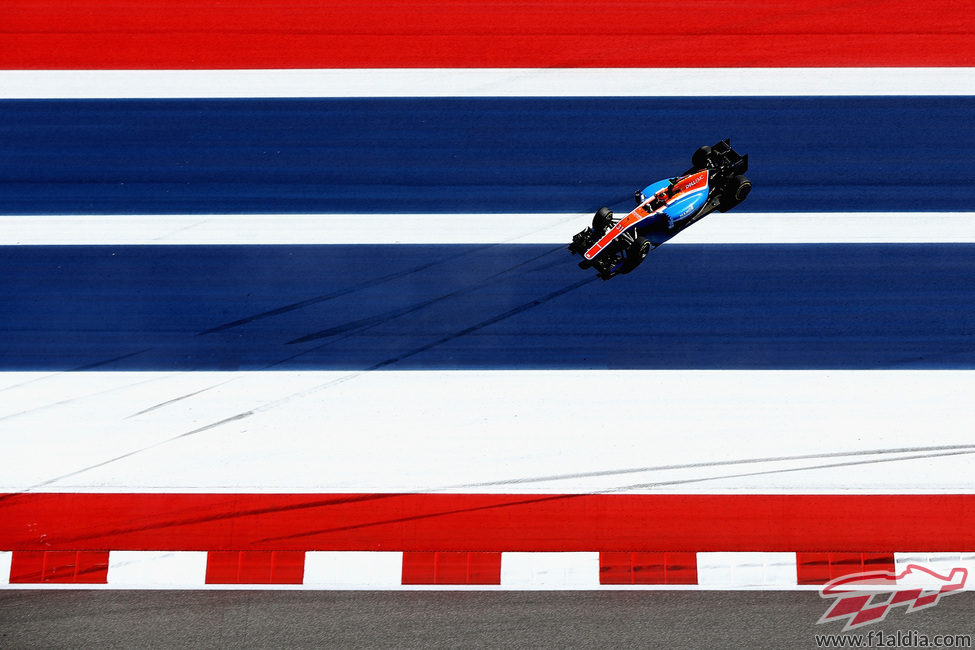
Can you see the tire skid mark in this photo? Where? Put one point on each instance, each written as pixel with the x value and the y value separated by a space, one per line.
pixel 81 397
pixel 31 381
pixel 180 398
pixel 90 366
pixel 487 323
pixel 106 362
pixel 543 498
pixel 430 515
pixel 129 454
pixel 380 319
pixel 315 502
pixel 638 486
pixel 717 463
pixel 367 284
pixel 334 382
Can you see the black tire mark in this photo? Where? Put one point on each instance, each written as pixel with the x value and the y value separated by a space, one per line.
pixel 852 463
pixel 556 497
pixel 431 515
pixel 486 323
pixel 77 398
pixel 245 414
pixel 314 502
pixel 380 319
pixel 336 294
pixel 99 364
pixel 719 463
pixel 177 399
pixel 317 502
pixel 212 425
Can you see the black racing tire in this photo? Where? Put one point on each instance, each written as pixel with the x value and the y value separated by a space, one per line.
pixel 602 219
pixel 742 186
pixel 700 157
pixel 738 190
pixel 636 253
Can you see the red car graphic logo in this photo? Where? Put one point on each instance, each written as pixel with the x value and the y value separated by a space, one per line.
pixel 854 594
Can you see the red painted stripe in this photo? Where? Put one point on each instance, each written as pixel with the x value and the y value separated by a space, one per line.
pixel 451 568
pixel 60 567
pixel 420 568
pixel 617 568
pixel 820 568
pixel 485 522
pixel 255 567
pixel 223 567
pixel 39 34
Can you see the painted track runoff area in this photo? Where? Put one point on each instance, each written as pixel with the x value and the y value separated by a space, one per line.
pixel 753 408
pixel 485 306
pixel 440 155
pixel 191 34
pixel 206 478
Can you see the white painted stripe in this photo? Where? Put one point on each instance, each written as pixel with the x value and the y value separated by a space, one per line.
pixel 6 559
pixel 717 228
pixel 721 431
pixel 746 569
pixel 941 563
pixel 550 570
pixel 162 569
pixel 485 82
pixel 350 569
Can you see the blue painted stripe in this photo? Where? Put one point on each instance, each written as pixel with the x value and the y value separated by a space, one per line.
pixel 494 306
pixel 474 155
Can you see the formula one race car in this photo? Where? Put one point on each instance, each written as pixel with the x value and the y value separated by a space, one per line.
pixel 715 181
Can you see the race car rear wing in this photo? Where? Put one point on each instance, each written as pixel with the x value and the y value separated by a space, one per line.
pixel 723 155
pixel 725 158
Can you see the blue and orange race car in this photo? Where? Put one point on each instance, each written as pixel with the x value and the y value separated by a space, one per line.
pixel 715 181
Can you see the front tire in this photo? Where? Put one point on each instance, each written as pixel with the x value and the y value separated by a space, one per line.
pixel 603 220
pixel 636 253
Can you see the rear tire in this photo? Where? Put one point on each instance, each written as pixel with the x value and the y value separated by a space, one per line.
pixel 636 253
pixel 737 192
pixel 742 187
pixel 700 157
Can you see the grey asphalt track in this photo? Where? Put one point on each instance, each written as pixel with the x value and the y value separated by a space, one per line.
pixel 266 619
